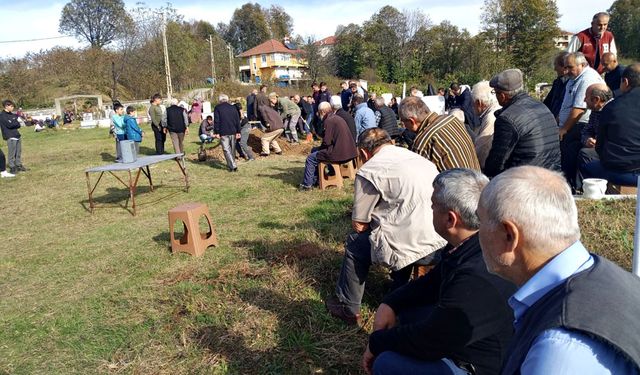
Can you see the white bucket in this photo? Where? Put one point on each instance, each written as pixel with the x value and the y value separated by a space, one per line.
pixel 594 188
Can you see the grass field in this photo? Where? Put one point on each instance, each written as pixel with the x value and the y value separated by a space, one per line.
pixel 102 293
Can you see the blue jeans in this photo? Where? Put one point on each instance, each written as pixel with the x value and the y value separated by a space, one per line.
pixel 355 269
pixel 311 169
pixel 595 169
pixel 388 363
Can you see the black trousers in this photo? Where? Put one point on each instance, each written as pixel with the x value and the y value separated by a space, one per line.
pixel 160 138
pixel 3 162
pixel 569 148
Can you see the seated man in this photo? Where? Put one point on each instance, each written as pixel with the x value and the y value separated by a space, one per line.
pixel 337 145
pixel 206 130
pixel 618 142
pixel 456 317
pixel 392 220
pixel 575 312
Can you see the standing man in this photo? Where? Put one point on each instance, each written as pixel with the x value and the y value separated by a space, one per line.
pixel 345 95
pixel 594 41
pixel 525 132
pixel 575 312
pixel 290 114
pixel 158 123
pixel 337 146
pixel 443 140
pixel 338 109
pixel 251 105
pixel 226 127
pixel 306 114
pixel 261 99
pixel 613 70
pixel 392 220
pixel 364 116
pixel 9 125
pixel 485 104
pixel 455 318
pixel 554 98
pixel 574 114
pixel 177 125
pixel 465 103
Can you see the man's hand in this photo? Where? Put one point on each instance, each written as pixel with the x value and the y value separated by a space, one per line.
pixel 385 317
pixel 590 142
pixel 359 227
pixel 216 136
pixel 367 361
pixel 562 132
pixel 186 131
pixel 237 135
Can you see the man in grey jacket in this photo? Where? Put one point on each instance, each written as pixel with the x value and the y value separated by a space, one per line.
pixel 392 220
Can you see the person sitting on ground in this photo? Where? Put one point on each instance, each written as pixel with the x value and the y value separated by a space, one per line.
pixel 132 130
pixel 525 132
pixel 38 127
pixel 575 312
pixel 485 104
pixel 364 116
pixel 618 141
pixel 443 140
pixel 386 118
pixel 290 114
pixel 226 127
pixel 274 128
pixel 337 146
pixel 206 130
pixel 456 318
pixel 392 220
pixel 339 110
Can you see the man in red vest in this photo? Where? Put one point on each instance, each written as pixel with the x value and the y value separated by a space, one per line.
pixel 594 41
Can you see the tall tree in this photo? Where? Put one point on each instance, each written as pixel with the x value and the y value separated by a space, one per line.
pixel 248 27
pixel 280 23
pixel 349 51
pixel 97 22
pixel 625 24
pixel 524 30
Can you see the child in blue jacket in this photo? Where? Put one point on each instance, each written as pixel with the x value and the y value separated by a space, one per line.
pixel 133 131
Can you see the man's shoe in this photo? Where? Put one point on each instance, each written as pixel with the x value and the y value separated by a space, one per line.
pixel 21 168
pixel 340 310
pixel 13 170
pixel 303 187
pixel 234 169
pixel 278 152
pixel 5 174
pixel 264 154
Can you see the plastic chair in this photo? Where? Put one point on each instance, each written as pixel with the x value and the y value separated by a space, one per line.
pixel 192 241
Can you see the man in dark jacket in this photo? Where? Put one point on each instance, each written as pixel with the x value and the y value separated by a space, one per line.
pixel 554 98
pixel 337 146
pixel 226 127
pixel 177 121
pixel 274 127
pixel 336 105
pixel 525 131
pixel 465 103
pixel 386 118
pixel 251 105
pixel 345 95
pixel 9 125
pixel 456 317
pixel 261 99
pixel 613 74
pixel 618 142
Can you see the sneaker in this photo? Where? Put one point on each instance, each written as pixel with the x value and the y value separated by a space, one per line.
pixel 278 152
pixel 340 310
pixel 21 168
pixel 5 174
pixel 303 187
pixel 250 159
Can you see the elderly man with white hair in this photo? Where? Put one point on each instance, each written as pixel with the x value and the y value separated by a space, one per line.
pixel 575 312
pixel 485 104
pixel 337 145
pixel 226 127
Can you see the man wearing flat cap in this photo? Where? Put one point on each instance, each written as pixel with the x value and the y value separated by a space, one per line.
pixel 525 133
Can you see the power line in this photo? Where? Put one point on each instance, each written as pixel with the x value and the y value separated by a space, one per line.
pixel 33 40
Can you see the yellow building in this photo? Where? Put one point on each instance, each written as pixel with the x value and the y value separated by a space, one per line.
pixel 273 61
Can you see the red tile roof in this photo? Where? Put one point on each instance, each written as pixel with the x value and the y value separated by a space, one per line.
pixel 270 46
pixel 328 41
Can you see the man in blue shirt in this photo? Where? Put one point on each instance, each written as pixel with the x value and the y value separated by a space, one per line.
pixel 364 116
pixel 575 313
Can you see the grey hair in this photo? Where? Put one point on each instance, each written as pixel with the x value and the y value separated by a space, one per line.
pixel 223 98
pixel 483 93
pixel 379 102
pixel 600 14
pixel 512 93
pixel 578 57
pixel 459 190
pixel 324 106
pixel 538 201
pixel 603 94
pixel 372 138
pixel 413 107
pixel 457 113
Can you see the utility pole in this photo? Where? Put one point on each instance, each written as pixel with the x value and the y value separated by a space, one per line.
pixel 167 70
pixel 231 72
pixel 213 61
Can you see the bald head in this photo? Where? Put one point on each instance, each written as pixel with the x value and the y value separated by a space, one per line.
pixel 609 61
pixel 597 95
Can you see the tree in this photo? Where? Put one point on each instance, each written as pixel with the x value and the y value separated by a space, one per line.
pixel 349 51
pixel 524 30
pixel 280 23
pixel 248 27
pixel 625 24
pixel 97 22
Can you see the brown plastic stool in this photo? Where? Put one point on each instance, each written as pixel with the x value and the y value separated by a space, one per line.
pixel 192 241
pixel 347 170
pixel 326 180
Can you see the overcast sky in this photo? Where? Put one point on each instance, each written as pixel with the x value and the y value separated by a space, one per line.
pixel 35 19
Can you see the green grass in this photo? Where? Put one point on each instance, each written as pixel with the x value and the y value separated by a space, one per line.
pixel 101 293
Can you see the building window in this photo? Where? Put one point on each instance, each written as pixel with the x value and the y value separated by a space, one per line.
pixel 264 59
pixel 282 57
